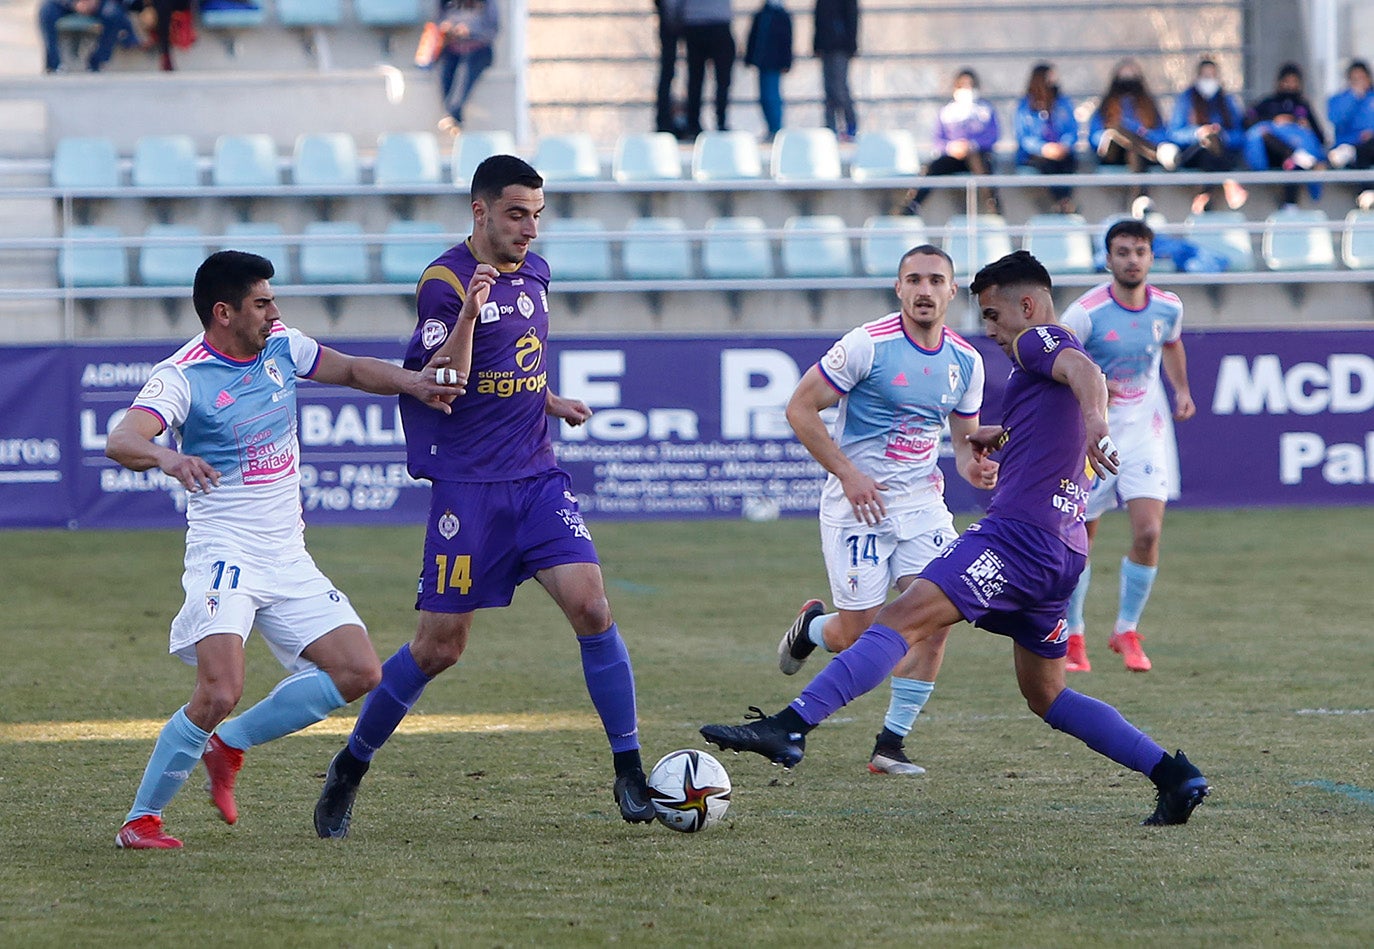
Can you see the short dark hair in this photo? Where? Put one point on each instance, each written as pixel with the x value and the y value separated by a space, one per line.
pixel 1017 268
pixel 226 277
pixel 1355 64
pixel 1289 69
pixel 968 71
pixel 930 249
pixel 499 172
pixel 1129 227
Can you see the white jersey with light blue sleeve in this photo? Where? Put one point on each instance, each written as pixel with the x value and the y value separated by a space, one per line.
pixel 240 416
pixel 895 398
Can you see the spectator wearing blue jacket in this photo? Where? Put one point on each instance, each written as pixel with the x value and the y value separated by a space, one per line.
pixel 965 134
pixel 769 50
pixel 1282 131
pixel 114 24
pixel 1046 132
pixel 1208 127
pixel 1351 112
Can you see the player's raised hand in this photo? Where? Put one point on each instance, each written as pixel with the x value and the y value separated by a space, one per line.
pixel 479 288
pixel 194 473
pixel 437 386
pixel 865 496
pixel 572 411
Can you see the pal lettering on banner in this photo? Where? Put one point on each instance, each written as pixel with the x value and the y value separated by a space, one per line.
pixel 35 438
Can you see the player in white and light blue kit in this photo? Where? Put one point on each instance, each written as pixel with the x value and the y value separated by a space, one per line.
pixel 883 516
pixel 229 396
pixel 1130 329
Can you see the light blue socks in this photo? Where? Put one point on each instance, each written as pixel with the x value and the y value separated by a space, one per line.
pixel 297 701
pixel 1136 583
pixel 909 696
pixel 178 748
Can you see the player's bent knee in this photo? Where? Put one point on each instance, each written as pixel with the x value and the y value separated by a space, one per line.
pixel 356 682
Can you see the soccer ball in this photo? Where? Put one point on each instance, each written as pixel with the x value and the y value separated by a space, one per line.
pixel 690 790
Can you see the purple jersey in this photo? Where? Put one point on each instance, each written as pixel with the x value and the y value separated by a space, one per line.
pixel 1044 476
pixel 498 431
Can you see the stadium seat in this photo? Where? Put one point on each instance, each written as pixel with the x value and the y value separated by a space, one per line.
pixel 652 156
pixel 407 158
pixel 657 251
pixel 389 12
pixel 245 161
pixel 410 247
pixel 1062 242
pixel 326 160
pixel 993 241
pixel 1357 241
pixel 264 238
pixel 339 261
pixel 735 248
pixel 886 240
pixel 229 14
pixel 726 156
pixel 575 249
pixel 165 161
pixel 309 12
pixel 886 154
pixel 570 157
pixel 85 163
pixel 1225 233
pixel 816 246
pixel 806 155
pixel 1298 239
pixel 174 264
pixel 93 265
pixel 472 148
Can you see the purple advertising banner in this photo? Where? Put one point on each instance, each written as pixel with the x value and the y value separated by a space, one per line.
pixel 683 427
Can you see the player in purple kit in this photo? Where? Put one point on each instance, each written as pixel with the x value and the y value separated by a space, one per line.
pixel 501 511
pixel 1012 572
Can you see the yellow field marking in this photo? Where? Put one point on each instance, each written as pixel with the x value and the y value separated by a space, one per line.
pixel 124 730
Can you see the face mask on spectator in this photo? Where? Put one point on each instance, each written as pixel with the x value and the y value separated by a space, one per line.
pixel 1208 87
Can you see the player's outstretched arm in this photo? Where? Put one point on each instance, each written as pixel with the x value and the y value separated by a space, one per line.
pixel 1175 362
pixel 383 378
pixel 813 395
pixel 1073 368
pixel 971 458
pixel 131 444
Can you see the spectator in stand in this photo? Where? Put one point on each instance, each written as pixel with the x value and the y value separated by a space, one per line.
pixel 1282 131
pixel 167 29
pixel 706 29
pixel 965 134
pixel 1351 112
pixel 669 39
pixel 1208 127
pixel 469 28
pixel 1046 132
pixel 114 24
pixel 769 50
pixel 1127 128
pixel 836 42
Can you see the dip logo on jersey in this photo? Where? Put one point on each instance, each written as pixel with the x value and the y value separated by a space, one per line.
pixel 836 358
pixel 433 333
pixel 448 525
pixel 910 442
pixel 1047 339
pixel 525 305
pixel 490 312
pixel 984 577
pixel 266 452
pixel 273 373
pixel 151 390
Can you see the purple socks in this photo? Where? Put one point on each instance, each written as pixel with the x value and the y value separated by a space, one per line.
pixel 611 684
pixel 385 706
pixel 860 668
pixel 1102 728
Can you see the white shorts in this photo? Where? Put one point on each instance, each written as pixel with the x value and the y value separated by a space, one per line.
pixel 864 562
pixel 291 603
pixel 1148 469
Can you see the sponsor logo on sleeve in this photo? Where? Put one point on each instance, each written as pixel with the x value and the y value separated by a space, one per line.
pixel 1047 338
pixel 151 389
pixel 433 333
pixel 836 358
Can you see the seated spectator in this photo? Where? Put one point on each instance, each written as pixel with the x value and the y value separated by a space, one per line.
pixel 1208 127
pixel 469 28
pixel 1283 131
pixel 1127 129
pixel 114 26
pixel 1046 133
pixel 1351 112
pixel 965 134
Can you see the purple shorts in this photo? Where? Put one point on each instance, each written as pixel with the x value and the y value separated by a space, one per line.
pixel 482 540
pixel 1013 579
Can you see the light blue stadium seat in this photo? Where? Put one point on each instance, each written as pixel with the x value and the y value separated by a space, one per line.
pixel 570 157
pixel 410 247
pixel 657 251
pixel 165 161
pixel 805 155
pixel 472 148
pixel 325 160
pixel 389 12
pixel 264 238
pixel 93 265
pixel 1298 239
pixel 884 154
pixel 994 241
pixel 1225 233
pixel 1062 242
pixel 229 14
pixel 342 261
pixel 407 158
pixel 815 245
pixel 85 163
pixel 736 248
pixel 651 156
pixel 171 265
pixel 245 161
pixel 1357 241
pixel 726 156
pixel 886 240
pixel 575 249
pixel 309 12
